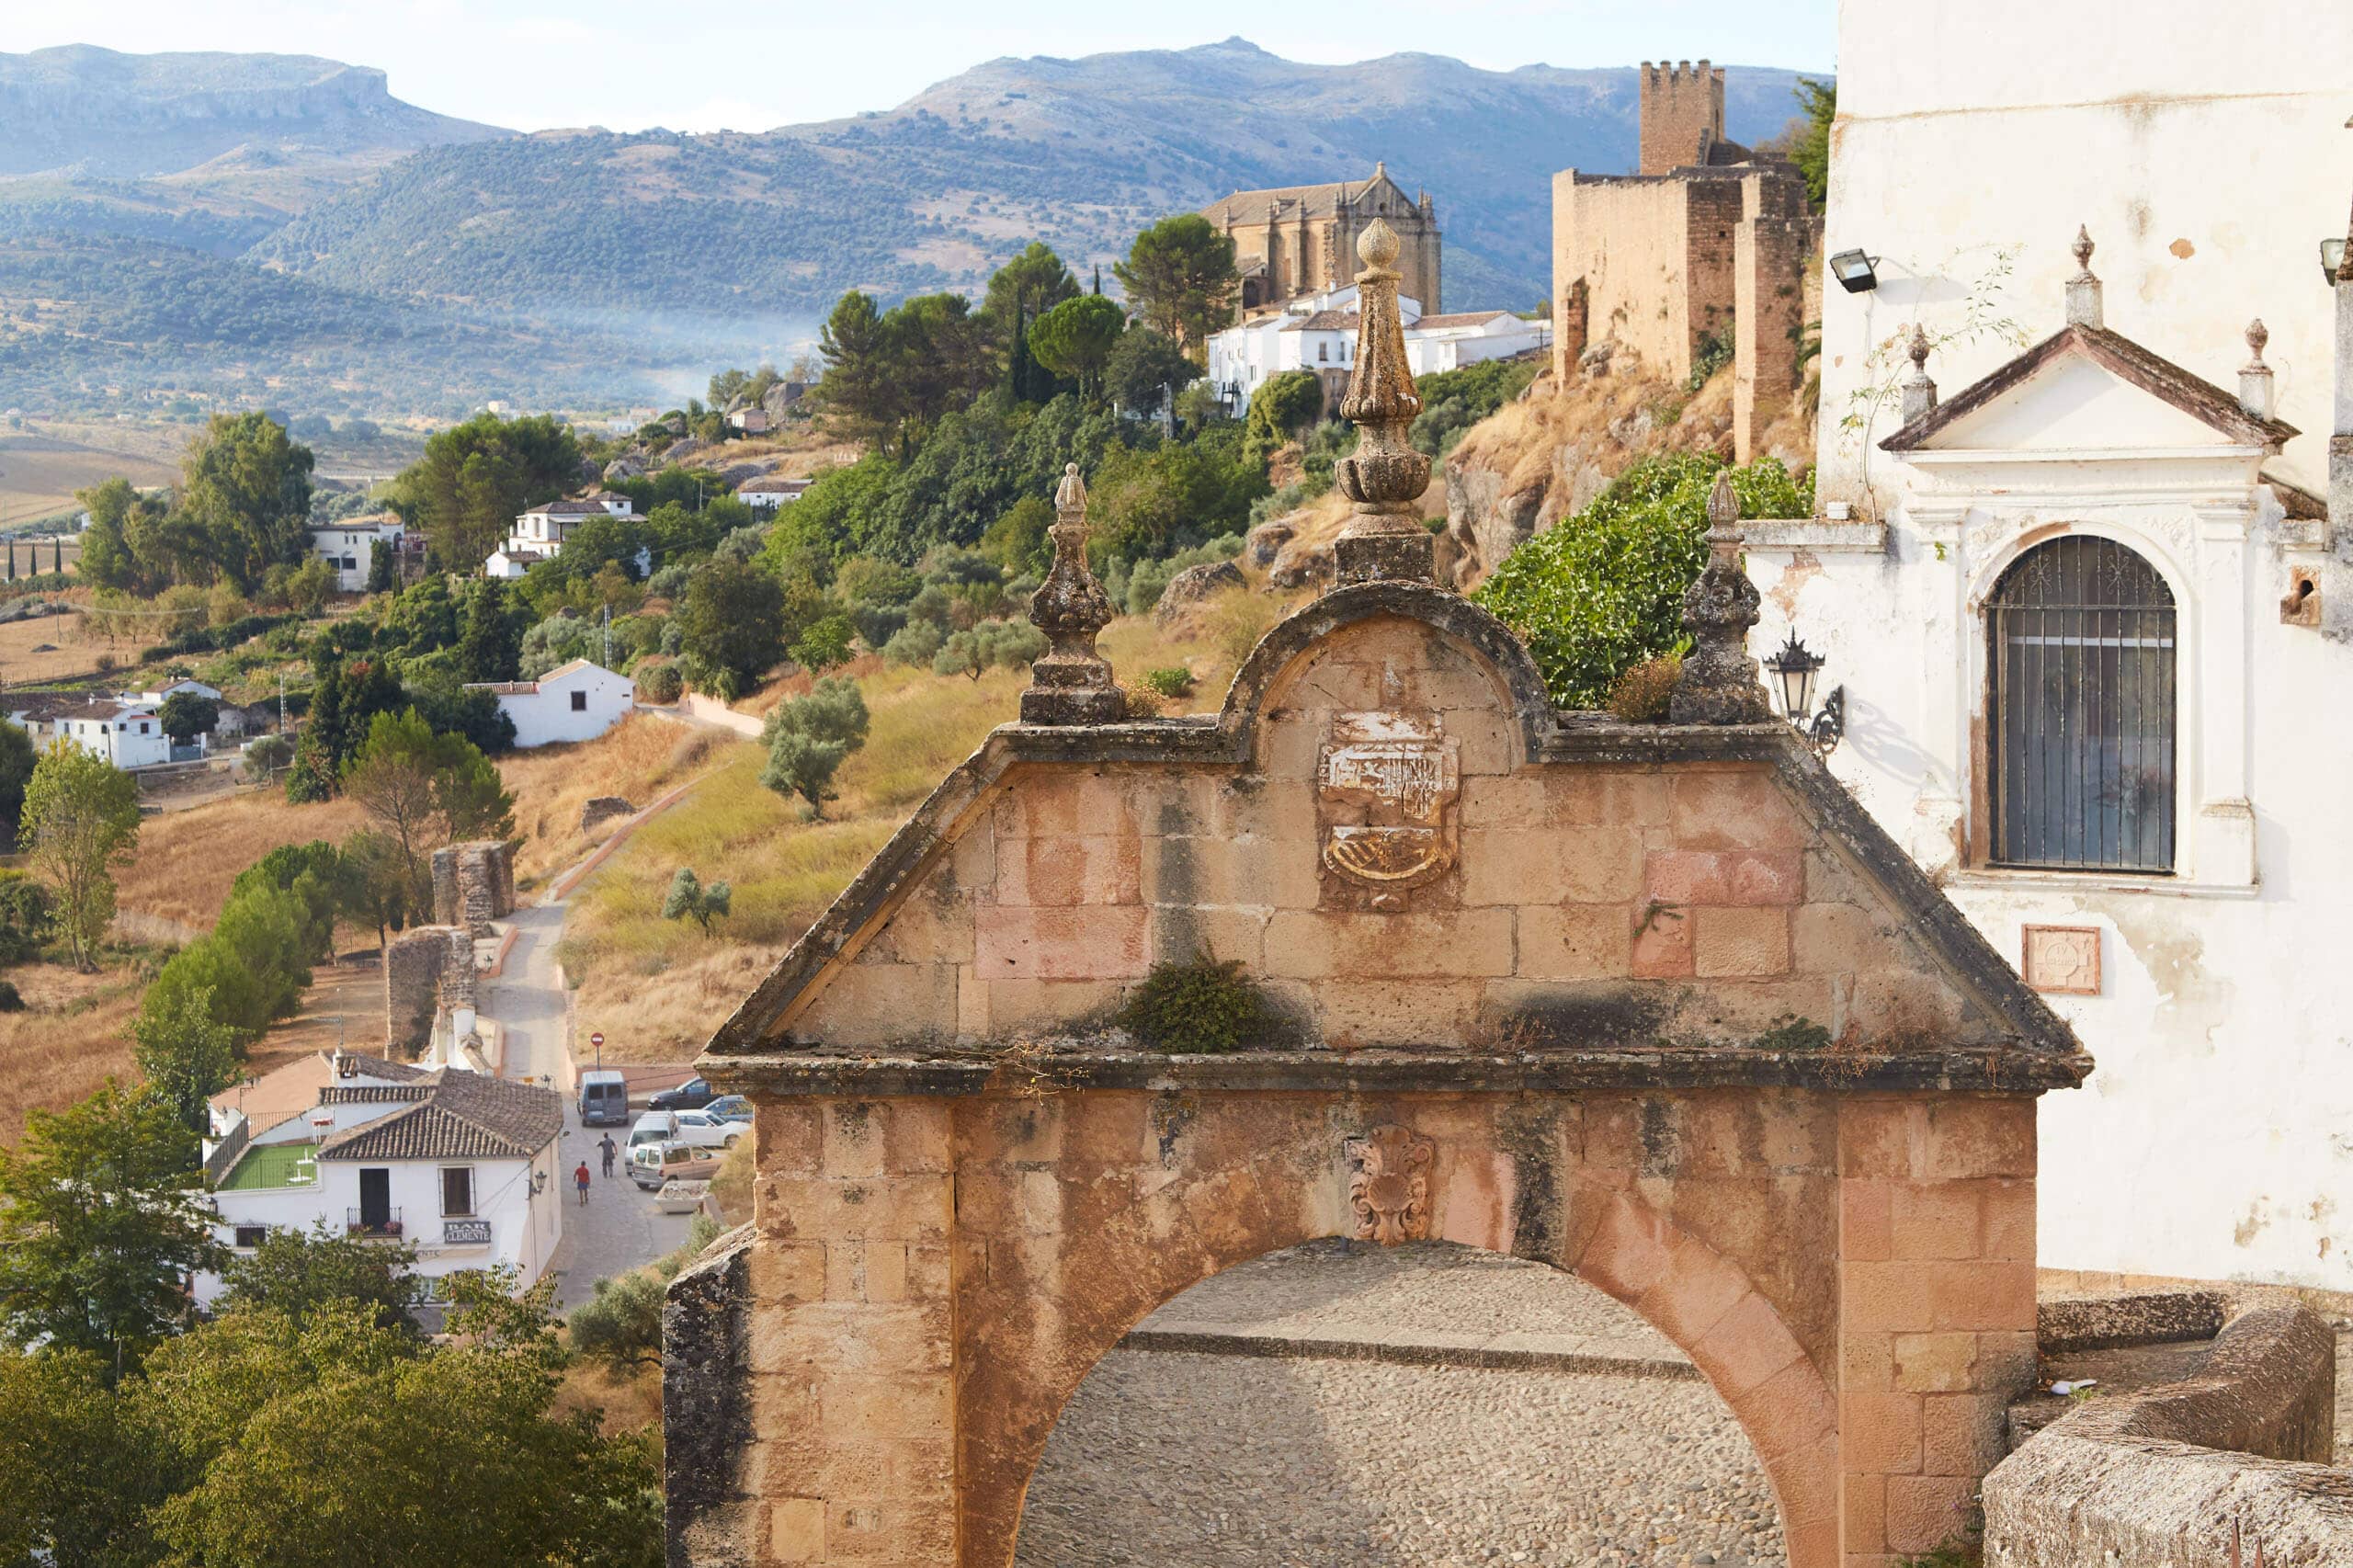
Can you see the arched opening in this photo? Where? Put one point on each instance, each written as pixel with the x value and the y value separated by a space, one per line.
pixel 1341 1403
pixel 2080 645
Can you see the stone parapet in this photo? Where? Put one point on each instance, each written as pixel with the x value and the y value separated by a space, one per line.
pixel 2200 1474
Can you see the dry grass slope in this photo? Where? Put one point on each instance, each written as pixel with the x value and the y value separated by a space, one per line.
pixel 69 1040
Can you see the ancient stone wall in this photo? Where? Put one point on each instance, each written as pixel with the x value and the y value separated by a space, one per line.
pixel 427 969
pixel 2227 1469
pixel 473 884
pixel 1771 243
pixel 1682 110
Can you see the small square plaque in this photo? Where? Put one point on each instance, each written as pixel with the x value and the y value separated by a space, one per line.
pixel 2063 960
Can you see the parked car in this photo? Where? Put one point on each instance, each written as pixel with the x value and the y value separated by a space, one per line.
pixel 655 1127
pixel 705 1130
pixel 651 1164
pixel 604 1098
pixel 729 1107
pixel 692 1094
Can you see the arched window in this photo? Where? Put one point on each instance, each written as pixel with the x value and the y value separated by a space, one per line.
pixel 2080 636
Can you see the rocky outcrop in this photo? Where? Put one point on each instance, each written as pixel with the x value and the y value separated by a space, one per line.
pixel 1305 564
pixel 1490 512
pixel 680 450
pixel 623 467
pixel 597 809
pixel 1262 544
pixel 1194 587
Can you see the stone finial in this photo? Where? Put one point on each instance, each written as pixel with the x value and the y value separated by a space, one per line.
pixel 2082 289
pixel 2255 386
pixel 1383 538
pixel 1071 683
pixel 1718 684
pixel 1919 392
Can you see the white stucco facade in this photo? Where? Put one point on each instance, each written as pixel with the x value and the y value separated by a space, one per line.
pixel 2206 156
pixel 1318 333
pixel 578 701
pixel 351 549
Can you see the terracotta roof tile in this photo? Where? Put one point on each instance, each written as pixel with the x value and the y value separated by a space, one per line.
pixel 465 1116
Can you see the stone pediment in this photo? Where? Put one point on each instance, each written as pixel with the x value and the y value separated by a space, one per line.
pixel 1427 867
pixel 2088 389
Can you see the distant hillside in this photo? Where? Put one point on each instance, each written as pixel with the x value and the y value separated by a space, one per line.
pixel 95 114
pixel 936 192
pixel 225 223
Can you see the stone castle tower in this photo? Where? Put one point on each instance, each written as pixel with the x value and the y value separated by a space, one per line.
pixel 1299 239
pixel 1682 115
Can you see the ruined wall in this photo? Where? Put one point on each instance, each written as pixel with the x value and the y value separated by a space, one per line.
pixel 427 969
pixel 1654 258
pixel 1564 893
pixel 473 884
pixel 1682 107
pixel 1770 245
pixel 2229 1468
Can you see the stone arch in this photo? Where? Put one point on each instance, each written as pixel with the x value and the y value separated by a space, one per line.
pixel 1246 1193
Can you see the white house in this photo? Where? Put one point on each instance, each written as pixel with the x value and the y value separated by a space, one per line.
pixel 768 495
pixel 125 732
pixel 350 546
pixel 752 421
pixel 2078 578
pixel 464 1167
pixel 1318 333
pixel 578 701
pixel 541 532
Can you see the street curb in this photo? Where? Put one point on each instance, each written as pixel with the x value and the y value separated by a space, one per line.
pixel 1516 1352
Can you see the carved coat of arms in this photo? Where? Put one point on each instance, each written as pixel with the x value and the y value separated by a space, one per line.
pixel 1389 1184
pixel 1388 784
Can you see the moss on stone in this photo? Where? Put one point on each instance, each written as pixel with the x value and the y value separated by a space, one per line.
pixel 1202 1006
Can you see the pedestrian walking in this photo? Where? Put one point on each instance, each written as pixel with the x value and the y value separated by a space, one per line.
pixel 580 1180
pixel 605 1149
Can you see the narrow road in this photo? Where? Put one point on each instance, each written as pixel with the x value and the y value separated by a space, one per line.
pixel 620 1228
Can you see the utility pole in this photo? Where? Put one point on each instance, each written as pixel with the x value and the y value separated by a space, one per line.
pixel 281 702
pixel 608 660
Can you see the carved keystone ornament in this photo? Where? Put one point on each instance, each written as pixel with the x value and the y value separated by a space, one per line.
pixel 1386 787
pixel 1389 1184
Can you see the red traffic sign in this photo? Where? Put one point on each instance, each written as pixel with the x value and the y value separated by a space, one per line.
pixel 598 1039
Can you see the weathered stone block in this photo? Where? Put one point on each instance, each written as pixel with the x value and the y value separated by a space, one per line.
pixel 1576 942
pixel 1319 945
pixel 1104 943
pixel 1744 943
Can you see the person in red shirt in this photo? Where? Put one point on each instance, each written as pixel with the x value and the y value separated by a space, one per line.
pixel 580 1180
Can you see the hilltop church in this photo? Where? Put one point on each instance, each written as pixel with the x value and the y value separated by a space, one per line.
pixel 1301 239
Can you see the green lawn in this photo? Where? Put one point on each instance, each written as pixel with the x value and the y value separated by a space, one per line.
pixel 273 1164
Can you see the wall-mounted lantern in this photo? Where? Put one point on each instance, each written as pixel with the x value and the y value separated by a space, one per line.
pixel 1857 273
pixel 1796 668
pixel 2331 258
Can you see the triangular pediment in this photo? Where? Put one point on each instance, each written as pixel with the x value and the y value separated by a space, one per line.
pixel 2087 389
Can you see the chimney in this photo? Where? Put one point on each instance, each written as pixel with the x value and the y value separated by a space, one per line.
pixel 2255 376
pixel 2082 289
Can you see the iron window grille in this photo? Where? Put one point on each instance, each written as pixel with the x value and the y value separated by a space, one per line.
pixel 2081 643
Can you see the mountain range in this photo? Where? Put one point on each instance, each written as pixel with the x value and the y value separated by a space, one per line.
pixel 584 264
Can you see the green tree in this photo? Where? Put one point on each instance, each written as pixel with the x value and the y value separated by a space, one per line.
pixel 380 578
pixel 990 645
pixel 1180 278
pixel 943 357
pixel 1076 338
pixel 1283 403
pixel 306 1274
pixel 490 645
pixel 1145 369
pixel 377 889
pixel 426 789
pixel 77 1465
pixel 808 738
pixel 732 626
pixel 860 385
pixel 188 714
pixel 1809 149
pixel 1603 591
pixel 81 821
pixel 474 478
pixel 18 759
pixel 186 1056
pixel 1026 287
pixel 824 643
pixel 121 517
pixel 689 899
pixel 620 1327
pixel 100 1227
pixel 247 487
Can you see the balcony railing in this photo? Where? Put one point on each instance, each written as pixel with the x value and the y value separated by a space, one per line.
pixel 356 1223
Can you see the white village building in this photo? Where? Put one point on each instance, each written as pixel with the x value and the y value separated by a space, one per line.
pixel 578 701
pixel 350 546
pixel 541 532
pixel 768 495
pixel 124 732
pixel 2082 579
pixel 461 1165
pixel 1318 333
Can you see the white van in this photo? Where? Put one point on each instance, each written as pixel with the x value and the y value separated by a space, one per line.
pixel 604 1098
pixel 654 1127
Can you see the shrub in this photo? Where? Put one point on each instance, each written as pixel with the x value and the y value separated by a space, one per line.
pixel 1711 354
pixel 1171 683
pixel 1282 404
pixel 661 683
pixel 825 644
pixel 1640 695
pixel 1139 702
pixel 266 754
pixel 1603 591
pixel 689 899
pixel 9 1001
pixel 914 644
pixel 1201 1006
pixel 989 645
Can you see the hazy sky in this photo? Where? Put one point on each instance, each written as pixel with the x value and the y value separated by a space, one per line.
pixel 748 65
